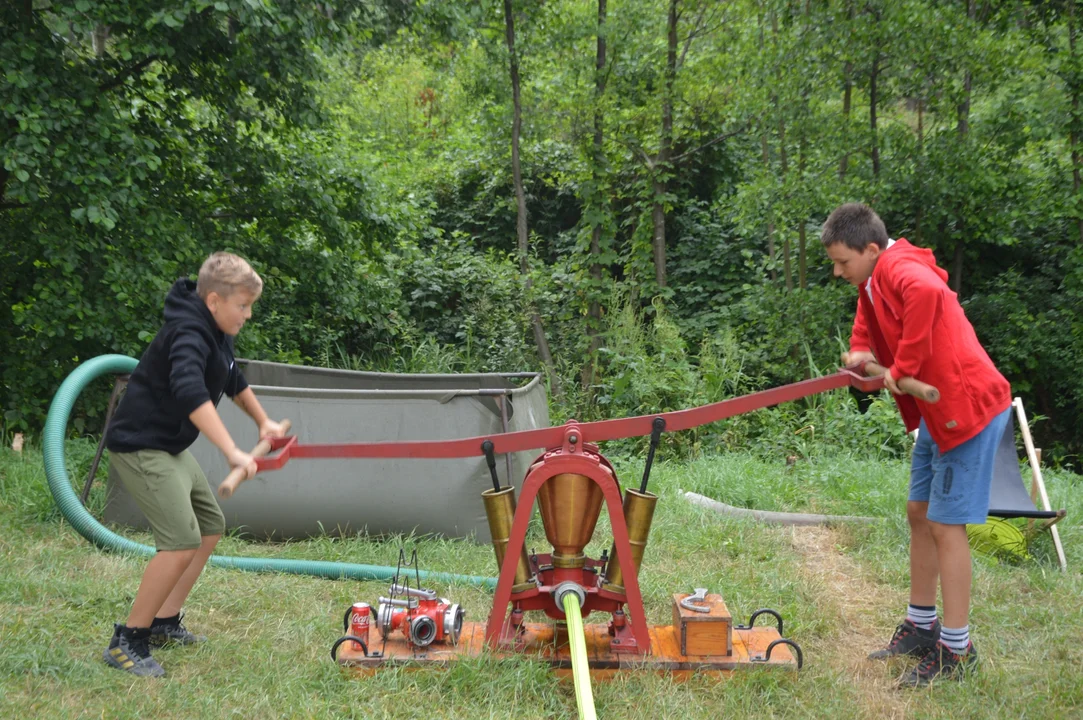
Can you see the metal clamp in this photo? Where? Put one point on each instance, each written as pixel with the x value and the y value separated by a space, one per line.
pixel 766 657
pixel 762 611
pixel 689 603
pixel 344 638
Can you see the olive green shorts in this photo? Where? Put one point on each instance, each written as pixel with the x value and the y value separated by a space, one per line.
pixel 173 493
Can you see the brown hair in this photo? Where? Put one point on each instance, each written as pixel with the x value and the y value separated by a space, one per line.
pixel 856 226
pixel 225 273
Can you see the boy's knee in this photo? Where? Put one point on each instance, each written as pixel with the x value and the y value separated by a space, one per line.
pixel 916 513
pixel 182 556
pixel 942 531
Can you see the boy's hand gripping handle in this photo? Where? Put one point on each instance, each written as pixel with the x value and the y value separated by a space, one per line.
pixel 909 385
pixel 236 476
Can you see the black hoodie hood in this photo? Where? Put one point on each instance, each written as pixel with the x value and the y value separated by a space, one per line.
pixel 183 305
pixel 189 362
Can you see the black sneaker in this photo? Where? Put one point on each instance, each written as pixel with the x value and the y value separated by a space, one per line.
pixel 941 662
pixel 172 632
pixel 909 639
pixel 128 651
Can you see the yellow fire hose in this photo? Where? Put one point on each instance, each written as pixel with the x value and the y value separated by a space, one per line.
pixel 584 696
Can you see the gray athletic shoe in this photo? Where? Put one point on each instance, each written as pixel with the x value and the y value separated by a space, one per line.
pixel 909 639
pixel 128 651
pixel 173 633
pixel 942 663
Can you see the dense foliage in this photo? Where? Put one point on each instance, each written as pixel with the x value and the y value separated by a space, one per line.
pixel 360 152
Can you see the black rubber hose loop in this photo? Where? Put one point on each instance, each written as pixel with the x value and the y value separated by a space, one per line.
pixel 764 611
pixel 791 643
pixel 344 638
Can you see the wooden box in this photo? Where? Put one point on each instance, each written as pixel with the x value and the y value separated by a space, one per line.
pixel 709 633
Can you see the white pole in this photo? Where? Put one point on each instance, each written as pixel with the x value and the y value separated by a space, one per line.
pixel 1035 467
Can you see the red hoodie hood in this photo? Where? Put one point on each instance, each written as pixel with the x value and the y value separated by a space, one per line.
pixel 902 251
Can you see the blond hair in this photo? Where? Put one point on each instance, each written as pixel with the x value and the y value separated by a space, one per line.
pixel 225 273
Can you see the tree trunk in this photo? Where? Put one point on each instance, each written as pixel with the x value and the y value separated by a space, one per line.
pixel 594 311
pixel 847 96
pixel 98 39
pixel 873 76
pixel 770 218
pixel 1074 121
pixel 921 166
pixel 661 163
pixel 787 270
pixel 802 259
pixel 520 202
pixel 955 279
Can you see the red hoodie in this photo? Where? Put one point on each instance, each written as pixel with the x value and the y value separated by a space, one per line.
pixel 917 328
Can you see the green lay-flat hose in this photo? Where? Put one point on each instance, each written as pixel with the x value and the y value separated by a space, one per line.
pixel 70 506
pixel 584 695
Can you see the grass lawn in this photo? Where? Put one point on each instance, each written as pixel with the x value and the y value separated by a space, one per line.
pixel 841 591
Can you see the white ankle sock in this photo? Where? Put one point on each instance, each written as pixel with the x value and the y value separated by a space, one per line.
pixel 924 616
pixel 957 639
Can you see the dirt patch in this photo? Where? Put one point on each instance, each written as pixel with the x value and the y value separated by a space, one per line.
pixel 858 602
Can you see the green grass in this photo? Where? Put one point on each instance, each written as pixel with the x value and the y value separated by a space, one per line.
pixel 270 635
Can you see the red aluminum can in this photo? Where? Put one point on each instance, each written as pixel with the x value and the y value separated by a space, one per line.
pixel 360 615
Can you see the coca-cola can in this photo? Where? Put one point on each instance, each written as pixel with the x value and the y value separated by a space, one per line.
pixel 360 615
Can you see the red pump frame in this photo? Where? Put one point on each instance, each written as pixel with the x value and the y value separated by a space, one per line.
pixel 572 457
pixel 552 437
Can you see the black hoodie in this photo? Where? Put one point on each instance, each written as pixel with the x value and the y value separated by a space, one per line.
pixel 189 362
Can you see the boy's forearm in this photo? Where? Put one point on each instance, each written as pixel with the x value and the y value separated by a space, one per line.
pixel 246 400
pixel 206 419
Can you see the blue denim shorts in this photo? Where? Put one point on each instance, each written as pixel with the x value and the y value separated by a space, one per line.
pixel 956 483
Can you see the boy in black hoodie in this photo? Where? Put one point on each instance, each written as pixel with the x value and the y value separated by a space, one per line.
pixel 172 396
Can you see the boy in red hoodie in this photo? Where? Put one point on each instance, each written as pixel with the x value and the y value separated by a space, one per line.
pixel 909 321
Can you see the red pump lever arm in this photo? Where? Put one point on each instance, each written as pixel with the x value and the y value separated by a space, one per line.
pixel 592 432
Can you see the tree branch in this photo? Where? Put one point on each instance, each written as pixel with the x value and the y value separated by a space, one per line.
pixel 126 73
pixel 696 27
pixel 709 143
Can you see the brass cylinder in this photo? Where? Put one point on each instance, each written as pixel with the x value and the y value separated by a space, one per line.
pixel 638 514
pixel 500 509
pixel 569 504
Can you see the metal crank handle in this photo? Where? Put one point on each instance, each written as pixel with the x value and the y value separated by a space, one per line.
pixel 909 385
pixel 690 603
pixel 236 476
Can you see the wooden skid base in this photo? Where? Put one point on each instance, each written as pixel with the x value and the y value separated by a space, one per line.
pixel 549 643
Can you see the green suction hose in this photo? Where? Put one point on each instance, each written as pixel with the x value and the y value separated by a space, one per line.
pixel 66 499
pixel 584 695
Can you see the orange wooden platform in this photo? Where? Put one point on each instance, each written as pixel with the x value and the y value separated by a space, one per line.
pixel 548 642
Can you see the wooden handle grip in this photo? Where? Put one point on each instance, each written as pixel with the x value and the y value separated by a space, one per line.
pixel 237 475
pixel 910 386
